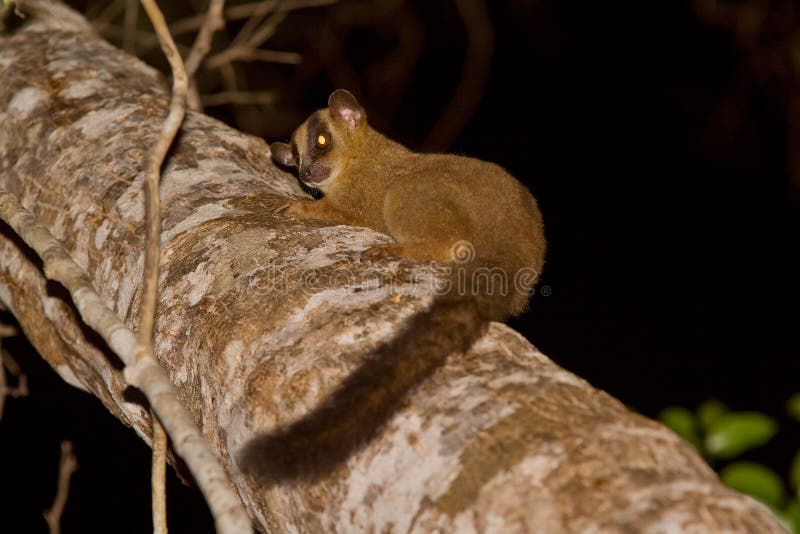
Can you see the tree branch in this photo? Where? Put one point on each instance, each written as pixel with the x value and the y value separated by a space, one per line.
pixel 147 313
pixel 202 44
pixel 129 26
pixel 177 110
pixel 248 40
pixel 243 98
pixel 262 317
pixel 67 465
pixel 158 478
pixel 21 389
pixel 141 369
pixel 247 11
pixel 249 54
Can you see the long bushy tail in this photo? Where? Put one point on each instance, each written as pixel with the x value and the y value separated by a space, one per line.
pixel 322 440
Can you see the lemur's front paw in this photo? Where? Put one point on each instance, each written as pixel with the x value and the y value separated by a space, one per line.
pixel 404 270
pixel 293 207
pixel 382 252
pixel 282 208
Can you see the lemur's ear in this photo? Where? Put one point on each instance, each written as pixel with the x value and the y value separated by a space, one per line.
pixel 282 153
pixel 345 107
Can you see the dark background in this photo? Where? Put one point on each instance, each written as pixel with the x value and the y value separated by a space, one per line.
pixel 660 143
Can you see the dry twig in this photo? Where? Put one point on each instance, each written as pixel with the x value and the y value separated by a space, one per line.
pixel 21 389
pixel 253 22
pixel 131 20
pixel 3 389
pixel 158 478
pixel 147 313
pixel 241 98
pixel 144 39
pixel 245 53
pixel 67 465
pixel 6 330
pixel 111 11
pixel 248 41
pixel 141 370
pixel 246 11
pixel 147 42
pixel 202 44
pixel 270 56
pixel 177 110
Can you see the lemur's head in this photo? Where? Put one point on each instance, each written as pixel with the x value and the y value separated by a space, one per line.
pixel 318 148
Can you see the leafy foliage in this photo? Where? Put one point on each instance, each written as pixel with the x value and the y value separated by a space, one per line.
pixel 736 432
pixel 682 422
pixel 709 413
pixel 722 435
pixel 793 406
pixel 794 473
pixel 756 480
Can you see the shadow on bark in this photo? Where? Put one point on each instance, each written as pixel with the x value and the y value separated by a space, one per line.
pixel 316 445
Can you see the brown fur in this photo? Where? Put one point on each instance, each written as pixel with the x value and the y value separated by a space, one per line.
pixel 427 203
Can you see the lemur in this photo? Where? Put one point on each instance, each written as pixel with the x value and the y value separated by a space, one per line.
pixel 430 204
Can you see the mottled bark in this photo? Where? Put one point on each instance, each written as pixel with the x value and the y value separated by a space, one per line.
pixel 259 321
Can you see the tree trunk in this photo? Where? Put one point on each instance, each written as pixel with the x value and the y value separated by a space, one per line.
pixel 259 322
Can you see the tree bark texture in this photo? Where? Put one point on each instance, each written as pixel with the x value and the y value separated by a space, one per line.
pixel 262 317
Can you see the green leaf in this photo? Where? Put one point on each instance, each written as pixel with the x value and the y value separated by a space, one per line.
pixel 709 412
pixel 682 422
pixel 794 473
pixel 793 406
pixel 735 432
pixel 755 480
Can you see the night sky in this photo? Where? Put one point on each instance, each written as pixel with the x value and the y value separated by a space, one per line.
pixel 658 153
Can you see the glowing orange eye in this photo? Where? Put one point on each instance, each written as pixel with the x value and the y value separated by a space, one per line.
pixel 322 140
